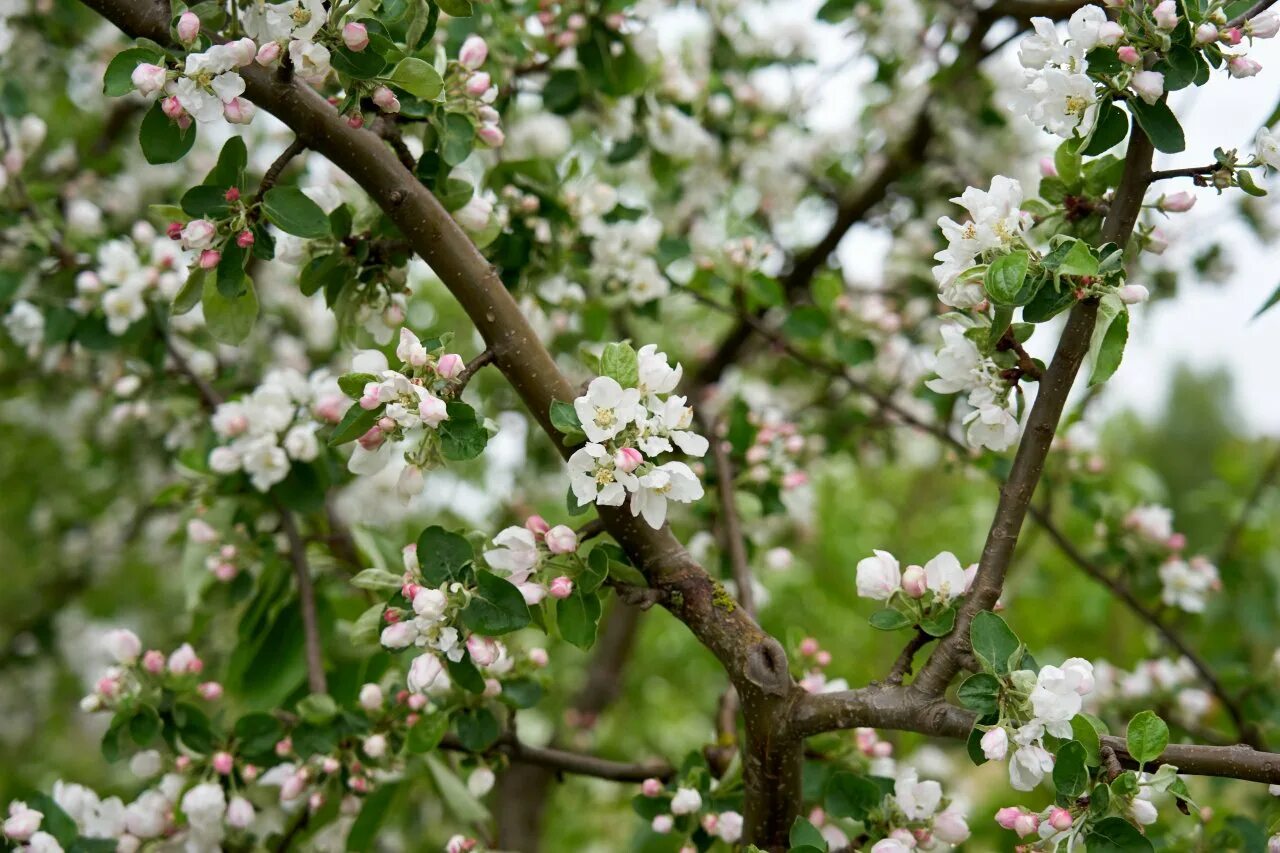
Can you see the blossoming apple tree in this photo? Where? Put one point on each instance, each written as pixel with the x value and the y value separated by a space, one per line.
pixel 311 258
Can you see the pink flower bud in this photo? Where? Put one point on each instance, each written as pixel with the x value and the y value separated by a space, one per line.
pixel 174 230
pixel 492 688
pixel 148 79
pixel 355 120
pixel 809 646
pixel 188 27
pixel 355 36
pixel 269 53
pixel 249 772
pixel 1109 33
pixel 386 424
pixel 385 100
pixel 473 53
pixel 1129 55
pixel 1242 66
pixel 1059 818
pixel 153 662
pixel 881 749
pixel 913 582
pixel 491 135
pixel 1206 33
pixel 172 108
pixel 284 747
pixel 663 823
pixel 209 259
pixel 1177 541
pixel 537 525
pixel 210 691
pixel 1006 816
pixel 1166 14
pixel 372 439
pixel 561 540
pixel 238 111
pixel 316 801
pixel 417 701
pixel 1264 26
pixel 182 763
pixel 1149 85
pixel 561 587
pixel 244 239
pixel 1026 824
pixel 1177 203
pixel 1047 167
pixel 1233 36
pixel 483 651
pixel 823 658
pixel 627 459
pixel 1132 294
pixel 450 365
pixel 478 83
pixel 538 657
pixel 223 763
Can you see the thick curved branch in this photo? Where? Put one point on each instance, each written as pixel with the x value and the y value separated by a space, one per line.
pixel 563 761
pixel 1028 462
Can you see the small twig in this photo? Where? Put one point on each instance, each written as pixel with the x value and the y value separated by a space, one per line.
pixel 209 395
pixel 1026 364
pixel 731 535
pixel 1253 11
pixel 1232 539
pixel 642 597
pixel 1110 763
pixel 590 530
pixel 306 601
pixel 902 666
pixel 386 128
pixel 273 172
pixel 460 381
pixel 1184 172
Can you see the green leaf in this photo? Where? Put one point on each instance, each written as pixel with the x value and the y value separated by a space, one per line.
pixel 456 8
pixel 352 384
pixel 940 624
pixel 189 295
pixel 318 708
pixel 610 62
pixel 563 91
pixel 1245 181
pixel 980 692
pixel 378 581
pixel 1180 67
pixel 1160 125
pixel 257 734
pixel 805 322
pixel 443 555
pixel 1266 306
pixel 1001 318
pixel 1066 159
pixel 805 834
pixel 118 79
pixel 993 641
pixel 457 138
pixel 851 795
pixel 232 160
pixel 477 729
pixel 1087 733
pixel 229 274
pixel 1047 304
pixel 578 617
pixel 465 674
pixel 162 140
pixel 417 77
pixel 229 319
pixel 496 606
pixel 1112 349
pixel 290 210
pixel 363 65
pixel 355 423
pixel 462 437
pixel 1117 835
pixel 1070 773
pixel 457 799
pixel 1146 737
pixel 620 363
pixel 205 201
pixel 889 619
pixel 565 419
pixel 426 734
pixel 1004 278
pixel 1076 259
pixel 521 692
pixel 144 725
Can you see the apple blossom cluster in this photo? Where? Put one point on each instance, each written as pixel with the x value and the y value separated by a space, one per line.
pixel 961 367
pixel 996 224
pixel 922 589
pixel 630 418
pixel 136 674
pixel 226 558
pixel 273 427
pixel 127 273
pixel 402 412
pixel 813 659
pixel 472 91
pixel 684 808
pixel 1186 582
pixel 1059 827
pixel 208 87
pixel 622 258
pixel 1171 683
pixel 776 455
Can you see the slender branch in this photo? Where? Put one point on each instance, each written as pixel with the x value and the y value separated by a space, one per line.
pixel 209 395
pixel 1247 732
pixel 1184 172
pixel 1232 540
pixel 306 601
pixel 902 666
pixel 473 366
pixel 904 709
pixel 1028 462
pixel 386 127
pixel 277 167
pixel 563 761
pixel 1252 12
pixel 590 530
pixel 732 536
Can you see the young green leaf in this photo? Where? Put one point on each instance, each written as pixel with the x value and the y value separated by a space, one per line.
pixel 290 210
pixel 417 77
pixel 496 606
pixel 1112 349
pixel 1146 737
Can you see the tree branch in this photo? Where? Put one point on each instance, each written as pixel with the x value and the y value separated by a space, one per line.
pixel 473 366
pixel 563 761
pixel 1184 172
pixel 1028 462
pixel 731 534
pixel 277 167
pixel 306 601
